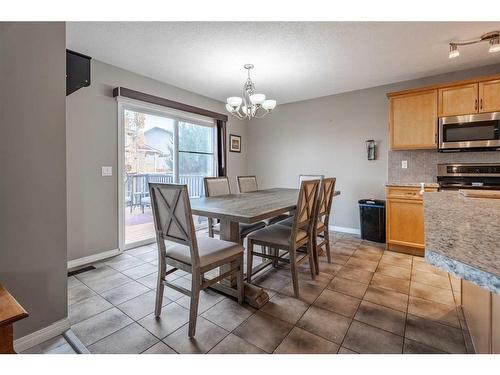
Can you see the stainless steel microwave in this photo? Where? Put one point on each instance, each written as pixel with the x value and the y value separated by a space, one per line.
pixel 470 132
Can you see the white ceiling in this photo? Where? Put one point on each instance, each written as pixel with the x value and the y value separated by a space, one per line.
pixel 293 60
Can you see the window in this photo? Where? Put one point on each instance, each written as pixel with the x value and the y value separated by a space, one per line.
pixel 160 146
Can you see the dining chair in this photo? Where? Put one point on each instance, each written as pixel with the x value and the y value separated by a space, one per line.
pixel 307 177
pixel 321 229
pixel 173 221
pixel 289 239
pixel 217 186
pixel 247 184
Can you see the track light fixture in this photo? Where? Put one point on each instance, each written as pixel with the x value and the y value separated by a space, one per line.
pixel 493 37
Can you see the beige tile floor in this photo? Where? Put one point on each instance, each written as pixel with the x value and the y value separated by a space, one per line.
pixel 367 301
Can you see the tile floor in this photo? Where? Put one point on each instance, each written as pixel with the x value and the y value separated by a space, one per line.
pixel 366 301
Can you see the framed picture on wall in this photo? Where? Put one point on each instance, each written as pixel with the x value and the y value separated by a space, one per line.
pixel 234 143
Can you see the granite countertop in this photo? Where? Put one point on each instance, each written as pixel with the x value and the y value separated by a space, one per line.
pixel 462 236
pixel 412 184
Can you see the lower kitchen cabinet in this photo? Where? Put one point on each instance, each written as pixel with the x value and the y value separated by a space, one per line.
pixel 495 323
pixel 482 313
pixel 405 219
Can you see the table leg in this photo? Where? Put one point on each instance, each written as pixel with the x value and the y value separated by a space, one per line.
pixel 6 340
pixel 254 295
pixel 229 231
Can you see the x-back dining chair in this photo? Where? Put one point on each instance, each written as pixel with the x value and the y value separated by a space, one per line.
pixel 307 177
pixel 217 186
pixel 323 209
pixel 289 239
pixel 173 222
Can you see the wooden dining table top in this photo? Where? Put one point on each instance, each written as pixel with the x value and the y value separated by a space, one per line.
pixel 247 207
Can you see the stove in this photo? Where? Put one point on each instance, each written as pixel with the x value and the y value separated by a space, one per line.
pixel 469 176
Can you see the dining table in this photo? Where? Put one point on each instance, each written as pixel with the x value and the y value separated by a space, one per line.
pixel 249 208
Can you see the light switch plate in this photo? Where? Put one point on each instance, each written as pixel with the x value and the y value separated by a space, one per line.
pixel 107 171
pixel 404 164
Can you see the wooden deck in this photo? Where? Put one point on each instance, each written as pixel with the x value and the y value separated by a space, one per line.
pixel 139 226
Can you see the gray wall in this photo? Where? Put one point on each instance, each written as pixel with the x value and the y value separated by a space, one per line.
pixel 92 142
pixel 327 136
pixel 33 163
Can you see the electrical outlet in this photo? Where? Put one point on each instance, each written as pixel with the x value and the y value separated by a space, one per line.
pixel 107 171
pixel 404 164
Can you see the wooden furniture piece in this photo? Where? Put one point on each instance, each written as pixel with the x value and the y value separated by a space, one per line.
pixel 217 186
pixel 471 98
pixel 173 221
pixel 247 184
pixel 321 229
pixel 289 239
pixel 248 208
pixel 405 219
pixel 413 121
pixel 489 96
pixel 482 313
pixel 10 311
pixel 307 177
pixel 458 100
pixel 413 113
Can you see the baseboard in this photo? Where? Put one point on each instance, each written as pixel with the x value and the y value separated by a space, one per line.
pixel 44 334
pixel 92 258
pixel 345 229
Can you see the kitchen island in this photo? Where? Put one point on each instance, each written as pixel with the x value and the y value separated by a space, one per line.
pixel 462 236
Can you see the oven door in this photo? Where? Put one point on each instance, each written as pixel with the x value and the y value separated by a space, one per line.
pixel 469 131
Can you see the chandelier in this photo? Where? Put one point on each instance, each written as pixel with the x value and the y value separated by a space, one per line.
pixel 250 104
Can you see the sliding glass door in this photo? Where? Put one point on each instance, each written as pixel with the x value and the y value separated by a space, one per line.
pixel 159 146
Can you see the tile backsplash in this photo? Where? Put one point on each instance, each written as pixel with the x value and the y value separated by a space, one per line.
pixel 422 164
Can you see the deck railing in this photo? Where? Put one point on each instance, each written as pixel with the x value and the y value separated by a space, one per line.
pixel 136 186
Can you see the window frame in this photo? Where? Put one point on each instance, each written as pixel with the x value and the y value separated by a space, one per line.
pixel 156 110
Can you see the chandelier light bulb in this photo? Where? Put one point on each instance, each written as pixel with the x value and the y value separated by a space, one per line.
pixel 453 51
pixel 257 98
pixel 234 101
pixel 269 104
pixel 229 108
pixel 494 45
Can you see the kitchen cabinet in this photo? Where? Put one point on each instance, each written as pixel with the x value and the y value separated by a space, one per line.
pixel 405 219
pixel 414 113
pixel 458 100
pixel 482 314
pixel 413 121
pixel 495 323
pixel 476 303
pixel 489 96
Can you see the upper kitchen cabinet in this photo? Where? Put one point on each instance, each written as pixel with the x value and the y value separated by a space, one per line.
pixel 458 100
pixel 489 96
pixel 413 120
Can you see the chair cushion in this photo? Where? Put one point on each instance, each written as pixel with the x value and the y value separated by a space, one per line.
pixel 277 234
pixel 211 250
pixel 289 222
pixel 276 219
pixel 244 228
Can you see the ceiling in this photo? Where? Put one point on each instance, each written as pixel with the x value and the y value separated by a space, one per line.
pixel 293 60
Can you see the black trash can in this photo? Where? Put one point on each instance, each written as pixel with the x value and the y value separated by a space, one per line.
pixel 372 219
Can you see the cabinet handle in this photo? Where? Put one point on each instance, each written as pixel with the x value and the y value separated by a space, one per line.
pixel 481 104
pixel 475 104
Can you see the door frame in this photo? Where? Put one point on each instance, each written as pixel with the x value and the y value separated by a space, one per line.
pixel 177 115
